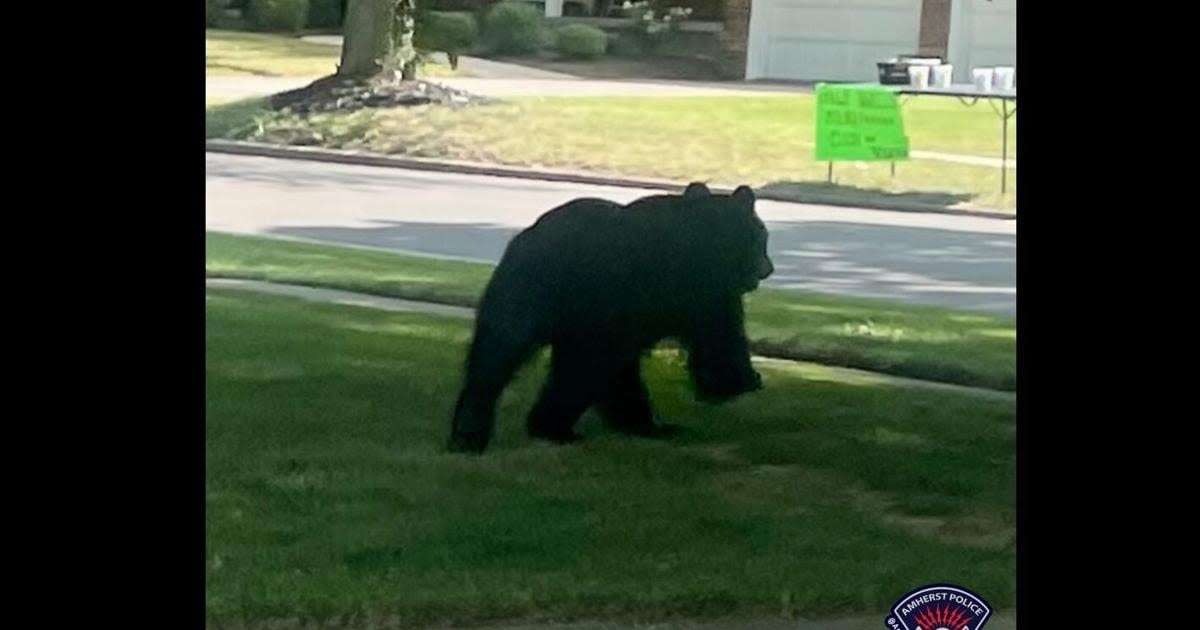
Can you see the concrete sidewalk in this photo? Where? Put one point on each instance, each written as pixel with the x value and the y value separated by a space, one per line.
pixel 474 66
pixel 362 300
pixel 238 88
pixel 244 87
pixel 491 69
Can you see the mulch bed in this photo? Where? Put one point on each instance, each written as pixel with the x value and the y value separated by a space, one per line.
pixel 333 93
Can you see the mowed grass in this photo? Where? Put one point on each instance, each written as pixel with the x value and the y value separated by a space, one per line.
pixel 919 342
pixel 237 53
pixel 766 142
pixel 328 496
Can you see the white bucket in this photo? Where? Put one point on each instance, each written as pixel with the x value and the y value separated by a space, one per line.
pixel 983 79
pixel 942 76
pixel 918 77
pixel 1003 79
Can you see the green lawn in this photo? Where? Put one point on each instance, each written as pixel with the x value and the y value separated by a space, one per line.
pixel 328 496
pixel 236 53
pixel 765 142
pixel 930 343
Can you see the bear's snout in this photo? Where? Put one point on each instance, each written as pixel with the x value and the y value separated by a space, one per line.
pixel 765 268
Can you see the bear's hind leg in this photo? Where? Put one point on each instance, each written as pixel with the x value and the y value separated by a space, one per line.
pixel 493 360
pixel 566 394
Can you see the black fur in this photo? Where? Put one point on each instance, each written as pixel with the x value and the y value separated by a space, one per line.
pixel 602 283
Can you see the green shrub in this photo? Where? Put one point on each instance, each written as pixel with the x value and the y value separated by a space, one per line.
pixel 581 41
pixel 451 33
pixel 703 9
pixel 324 14
pixel 286 16
pixel 626 43
pixel 514 28
pixel 654 26
pixel 466 6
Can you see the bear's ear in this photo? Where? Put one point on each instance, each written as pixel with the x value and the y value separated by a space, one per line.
pixel 744 197
pixel 696 189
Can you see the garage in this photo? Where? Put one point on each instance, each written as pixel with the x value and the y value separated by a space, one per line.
pixel 982 33
pixel 828 40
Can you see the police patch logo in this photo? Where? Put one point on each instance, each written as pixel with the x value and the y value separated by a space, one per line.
pixel 939 607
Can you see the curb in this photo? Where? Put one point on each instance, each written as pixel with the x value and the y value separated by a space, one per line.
pixel 358 158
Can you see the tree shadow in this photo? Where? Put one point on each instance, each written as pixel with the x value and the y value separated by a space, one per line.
pixel 821 192
pixel 356 395
pixel 937 267
pixel 618 68
pixel 209 64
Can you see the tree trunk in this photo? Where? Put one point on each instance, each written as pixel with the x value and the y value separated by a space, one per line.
pixel 404 13
pixel 367 38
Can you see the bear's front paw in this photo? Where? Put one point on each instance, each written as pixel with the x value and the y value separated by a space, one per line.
pixel 728 386
pixel 749 380
pixel 756 382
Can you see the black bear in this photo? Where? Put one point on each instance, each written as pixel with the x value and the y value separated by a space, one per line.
pixel 601 284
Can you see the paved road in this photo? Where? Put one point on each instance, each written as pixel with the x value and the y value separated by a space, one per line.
pixel 963 262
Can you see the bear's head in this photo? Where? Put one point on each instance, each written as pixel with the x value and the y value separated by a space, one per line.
pixel 741 236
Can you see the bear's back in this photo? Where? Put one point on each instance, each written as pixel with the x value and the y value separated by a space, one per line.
pixel 626 274
pixel 600 241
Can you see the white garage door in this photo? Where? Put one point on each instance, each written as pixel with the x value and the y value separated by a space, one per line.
pixel 983 33
pixel 828 40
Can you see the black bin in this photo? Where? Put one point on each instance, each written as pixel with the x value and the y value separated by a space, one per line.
pixel 895 72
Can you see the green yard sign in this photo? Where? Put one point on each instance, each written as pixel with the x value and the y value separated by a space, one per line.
pixel 859 123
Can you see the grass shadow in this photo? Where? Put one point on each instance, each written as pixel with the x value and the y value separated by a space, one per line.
pixel 818 192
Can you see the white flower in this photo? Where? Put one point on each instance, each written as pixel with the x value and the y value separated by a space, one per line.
pixel 666 18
